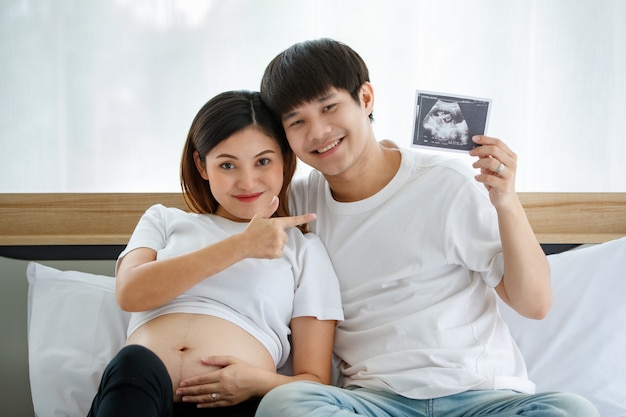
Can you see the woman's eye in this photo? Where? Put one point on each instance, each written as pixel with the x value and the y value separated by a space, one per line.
pixel 264 161
pixel 227 165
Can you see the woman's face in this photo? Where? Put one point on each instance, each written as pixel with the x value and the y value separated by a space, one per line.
pixel 245 172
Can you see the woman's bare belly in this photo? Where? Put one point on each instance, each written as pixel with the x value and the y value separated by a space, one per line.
pixel 181 340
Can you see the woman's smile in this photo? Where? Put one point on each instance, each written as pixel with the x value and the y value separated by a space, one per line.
pixel 248 198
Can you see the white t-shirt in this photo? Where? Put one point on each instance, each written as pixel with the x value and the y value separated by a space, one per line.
pixel 417 263
pixel 259 295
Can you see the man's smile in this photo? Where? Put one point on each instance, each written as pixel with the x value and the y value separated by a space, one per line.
pixel 328 147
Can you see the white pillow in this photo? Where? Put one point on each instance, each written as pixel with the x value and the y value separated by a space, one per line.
pixel 581 346
pixel 75 327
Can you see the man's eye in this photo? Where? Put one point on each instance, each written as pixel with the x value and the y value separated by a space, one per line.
pixel 297 122
pixel 330 106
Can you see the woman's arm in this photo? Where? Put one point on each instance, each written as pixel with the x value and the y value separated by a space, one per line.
pixel 312 346
pixel 144 283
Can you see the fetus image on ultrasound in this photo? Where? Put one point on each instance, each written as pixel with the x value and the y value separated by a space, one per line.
pixel 445 123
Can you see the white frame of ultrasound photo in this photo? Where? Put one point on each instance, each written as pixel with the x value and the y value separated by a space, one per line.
pixel 478 126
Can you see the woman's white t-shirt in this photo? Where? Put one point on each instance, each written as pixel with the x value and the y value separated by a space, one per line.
pixel 259 295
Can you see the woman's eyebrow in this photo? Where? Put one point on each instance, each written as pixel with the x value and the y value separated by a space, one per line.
pixel 229 156
pixel 264 152
pixel 225 155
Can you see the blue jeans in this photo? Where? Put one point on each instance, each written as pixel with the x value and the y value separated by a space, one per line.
pixel 300 399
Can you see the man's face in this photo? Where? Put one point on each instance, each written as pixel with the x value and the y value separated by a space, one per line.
pixel 329 133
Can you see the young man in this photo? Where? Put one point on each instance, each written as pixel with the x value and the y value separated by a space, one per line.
pixel 421 251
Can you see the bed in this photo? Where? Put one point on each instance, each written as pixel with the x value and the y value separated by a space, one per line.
pixel 75 325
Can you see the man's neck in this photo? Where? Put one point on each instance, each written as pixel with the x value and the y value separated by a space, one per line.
pixel 379 165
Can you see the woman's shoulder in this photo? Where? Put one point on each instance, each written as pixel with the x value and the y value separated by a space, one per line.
pixel 169 215
pixel 164 210
pixel 304 242
pixel 295 233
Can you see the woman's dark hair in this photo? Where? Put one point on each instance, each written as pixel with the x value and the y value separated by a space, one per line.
pixel 308 70
pixel 222 116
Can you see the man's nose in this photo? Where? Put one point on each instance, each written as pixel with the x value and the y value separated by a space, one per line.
pixel 318 129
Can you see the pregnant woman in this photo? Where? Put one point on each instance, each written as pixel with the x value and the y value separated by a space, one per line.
pixel 222 296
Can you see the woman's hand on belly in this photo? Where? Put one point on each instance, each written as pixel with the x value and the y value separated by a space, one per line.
pixel 182 340
pixel 235 381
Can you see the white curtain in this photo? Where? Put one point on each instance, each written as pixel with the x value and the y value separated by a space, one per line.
pixel 97 96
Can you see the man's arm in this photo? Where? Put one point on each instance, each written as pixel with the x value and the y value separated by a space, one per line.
pixel 525 285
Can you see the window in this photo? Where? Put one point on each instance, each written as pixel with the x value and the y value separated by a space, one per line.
pixel 98 96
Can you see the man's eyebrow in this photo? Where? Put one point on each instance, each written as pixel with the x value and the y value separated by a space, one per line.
pixel 317 100
pixel 326 97
pixel 290 115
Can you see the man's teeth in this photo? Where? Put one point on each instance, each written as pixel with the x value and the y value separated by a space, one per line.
pixel 329 147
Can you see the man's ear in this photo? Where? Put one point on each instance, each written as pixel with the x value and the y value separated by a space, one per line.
pixel 367 96
pixel 200 165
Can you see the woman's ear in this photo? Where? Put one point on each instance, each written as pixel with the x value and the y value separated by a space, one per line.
pixel 200 165
pixel 367 96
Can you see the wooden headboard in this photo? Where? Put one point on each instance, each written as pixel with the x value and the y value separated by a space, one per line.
pixel 105 219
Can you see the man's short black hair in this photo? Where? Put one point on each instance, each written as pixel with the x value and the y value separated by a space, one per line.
pixel 309 70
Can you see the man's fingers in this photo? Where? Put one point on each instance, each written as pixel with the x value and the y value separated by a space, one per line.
pixel 286 222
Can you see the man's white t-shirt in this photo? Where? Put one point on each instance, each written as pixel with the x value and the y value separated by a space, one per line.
pixel 417 264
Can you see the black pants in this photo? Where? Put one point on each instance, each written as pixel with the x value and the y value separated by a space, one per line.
pixel 136 383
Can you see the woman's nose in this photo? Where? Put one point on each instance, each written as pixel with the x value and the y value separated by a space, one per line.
pixel 247 179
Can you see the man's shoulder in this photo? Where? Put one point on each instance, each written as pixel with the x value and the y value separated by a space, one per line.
pixel 421 160
pixel 307 182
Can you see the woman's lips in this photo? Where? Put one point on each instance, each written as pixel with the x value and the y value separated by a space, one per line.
pixel 248 198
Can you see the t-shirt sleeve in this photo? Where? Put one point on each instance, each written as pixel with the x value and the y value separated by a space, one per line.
pixel 472 235
pixel 317 291
pixel 149 232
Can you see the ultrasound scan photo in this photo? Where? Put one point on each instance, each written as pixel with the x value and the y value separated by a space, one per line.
pixel 448 122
